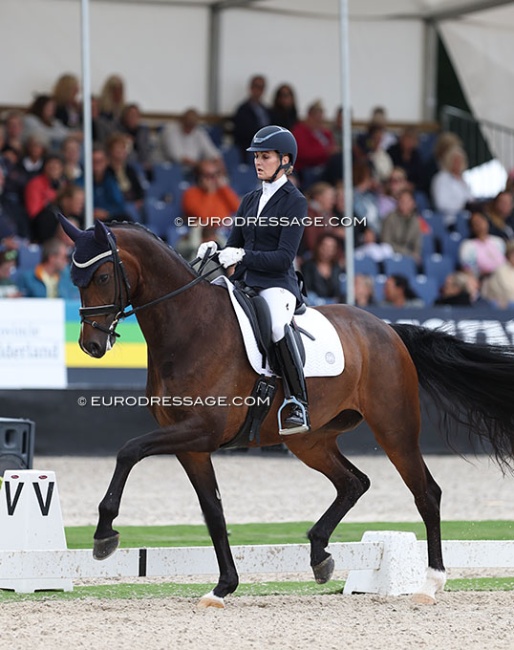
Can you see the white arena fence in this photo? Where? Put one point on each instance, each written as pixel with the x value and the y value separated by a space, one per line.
pixel 33 553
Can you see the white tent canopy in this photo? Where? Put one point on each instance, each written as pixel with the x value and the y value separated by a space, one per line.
pixel 179 53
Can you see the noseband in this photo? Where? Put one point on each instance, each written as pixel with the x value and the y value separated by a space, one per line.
pixel 122 285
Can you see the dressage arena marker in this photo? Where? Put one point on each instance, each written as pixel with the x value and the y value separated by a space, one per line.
pixel 33 554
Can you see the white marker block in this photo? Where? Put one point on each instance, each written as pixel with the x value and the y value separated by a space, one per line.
pixel 31 519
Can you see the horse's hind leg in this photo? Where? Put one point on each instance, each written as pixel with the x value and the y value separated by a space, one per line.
pixel 323 455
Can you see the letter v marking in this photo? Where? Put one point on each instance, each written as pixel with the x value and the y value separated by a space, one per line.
pixel 44 506
pixel 11 504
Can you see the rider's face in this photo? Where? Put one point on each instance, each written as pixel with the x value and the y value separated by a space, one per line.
pixel 266 163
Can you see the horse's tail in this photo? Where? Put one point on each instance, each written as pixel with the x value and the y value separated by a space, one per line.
pixel 472 384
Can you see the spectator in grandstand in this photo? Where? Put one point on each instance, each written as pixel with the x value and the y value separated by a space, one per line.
pixel 398 293
pixel 315 141
pixel 401 229
pixel 40 193
pixel 482 253
pixel 251 115
pixel 118 147
pixel 283 110
pixel 364 290
pixel 13 132
pixel 112 100
pixel 67 107
pixel 365 196
pixel 8 286
pixel 371 247
pixel 211 199
pixel 391 190
pixel 141 148
pixel 321 216
pixel 108 201
pixel 71 202
pixel 71 151
pixel 101 127
pixel 50 278
pixel 405 154
pixel 498 288
pixel 40 121
pixel 186 142
pixel 461 289
pixel 450 192
pixel 322 272
pixel 373 151
pixel 379 118
pixel 499 213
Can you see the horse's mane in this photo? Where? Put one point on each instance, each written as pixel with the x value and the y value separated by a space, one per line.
pixel 142 229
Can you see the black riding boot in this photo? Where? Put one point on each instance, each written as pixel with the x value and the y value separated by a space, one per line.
pixel 295 390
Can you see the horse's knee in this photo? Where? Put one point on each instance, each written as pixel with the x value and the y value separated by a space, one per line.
pixel 129 454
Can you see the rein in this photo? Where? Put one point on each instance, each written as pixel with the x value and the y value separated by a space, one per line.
pixel 121 283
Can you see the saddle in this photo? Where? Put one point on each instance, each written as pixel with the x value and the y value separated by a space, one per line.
pixel 258 313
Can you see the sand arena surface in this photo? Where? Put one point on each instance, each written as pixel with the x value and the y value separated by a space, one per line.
pixel 275 489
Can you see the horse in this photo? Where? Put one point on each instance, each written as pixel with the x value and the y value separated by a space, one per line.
pixel 195 349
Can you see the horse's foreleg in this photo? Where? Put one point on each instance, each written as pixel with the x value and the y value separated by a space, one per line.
pixel 201 474
pixel 169 440
pixel 350 484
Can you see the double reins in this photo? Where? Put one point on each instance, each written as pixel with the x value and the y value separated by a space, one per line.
pixel 121 284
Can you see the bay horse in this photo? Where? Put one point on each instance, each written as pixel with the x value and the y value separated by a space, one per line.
pixel 195 349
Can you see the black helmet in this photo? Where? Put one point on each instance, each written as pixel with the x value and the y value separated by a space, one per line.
pixel 275 138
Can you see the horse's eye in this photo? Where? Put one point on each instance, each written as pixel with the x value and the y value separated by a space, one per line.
pixel 102 279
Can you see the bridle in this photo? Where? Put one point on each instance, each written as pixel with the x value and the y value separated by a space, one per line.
pixel 122 286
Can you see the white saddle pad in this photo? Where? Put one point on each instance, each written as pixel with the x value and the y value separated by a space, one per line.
pixel 323 357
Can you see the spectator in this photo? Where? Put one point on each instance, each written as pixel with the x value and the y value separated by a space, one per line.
pixel 459 289
pixel 379 118
pixel 364 290
pixel 125 173
pixel 8 286
pixel 101 127
pixel 372 149
pixel 283 111
pixel 71 202
pixel 40 193
pixel 370 247
pixel 67 107
pixel 405 154
pixel 186 142
pixel 141 148
pixel 482 253
pixel 13 219
pixel 498 288
pixel 398 293
pixel 365 197
pixel 40 121
pixel 501 221
pixel 107 196
pixel 315 142
pixel 395 184
pixel 32 161
pixel 13 132
pixel 450 192
pixel 251 115
pixel 211 198
pixel 401 229
pixel 50 278
pixel 71 156
pixel 112 101
pixel 322 272
pixel 321 215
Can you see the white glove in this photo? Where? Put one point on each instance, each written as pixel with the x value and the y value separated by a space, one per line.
pixel 230 256
pixel 207 248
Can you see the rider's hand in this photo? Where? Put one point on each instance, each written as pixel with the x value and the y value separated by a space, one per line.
pixel 207 248
pixel 230 256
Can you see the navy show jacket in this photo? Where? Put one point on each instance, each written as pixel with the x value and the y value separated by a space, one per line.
pixel 270 241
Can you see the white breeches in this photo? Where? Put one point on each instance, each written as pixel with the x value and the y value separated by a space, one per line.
pixel 282 304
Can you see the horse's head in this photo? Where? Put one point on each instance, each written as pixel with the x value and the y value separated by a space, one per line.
pixel 98 271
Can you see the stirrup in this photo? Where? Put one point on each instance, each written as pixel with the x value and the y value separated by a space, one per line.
pixel 301 428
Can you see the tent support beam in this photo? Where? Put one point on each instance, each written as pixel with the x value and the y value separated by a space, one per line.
pixel 471 8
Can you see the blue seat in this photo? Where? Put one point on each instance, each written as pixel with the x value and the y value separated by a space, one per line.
pixel 422 200
pixel 243 179
pixel 401 265
pixel 175 232
pixel 462 224
pixel 436 223
pixel 427 245
pixel 378 287
pixel 165 180
pixel 365 265
pixel 426 288
pixel 450 246
pixel 231 157
pixel 160 216
pixel 438 267
pixel 29 256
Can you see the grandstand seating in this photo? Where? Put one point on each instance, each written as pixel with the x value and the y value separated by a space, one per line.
pixel 401 265
pixel 438 266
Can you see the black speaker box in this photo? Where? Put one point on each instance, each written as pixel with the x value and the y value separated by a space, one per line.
pixel 16 444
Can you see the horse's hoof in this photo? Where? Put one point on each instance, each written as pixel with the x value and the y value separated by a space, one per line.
pixel 423 599
pixel 104 548
pixel 211 600
pixel 324 570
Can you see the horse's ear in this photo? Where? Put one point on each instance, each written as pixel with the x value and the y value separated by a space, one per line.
pixel 72 231
pixel 101 233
